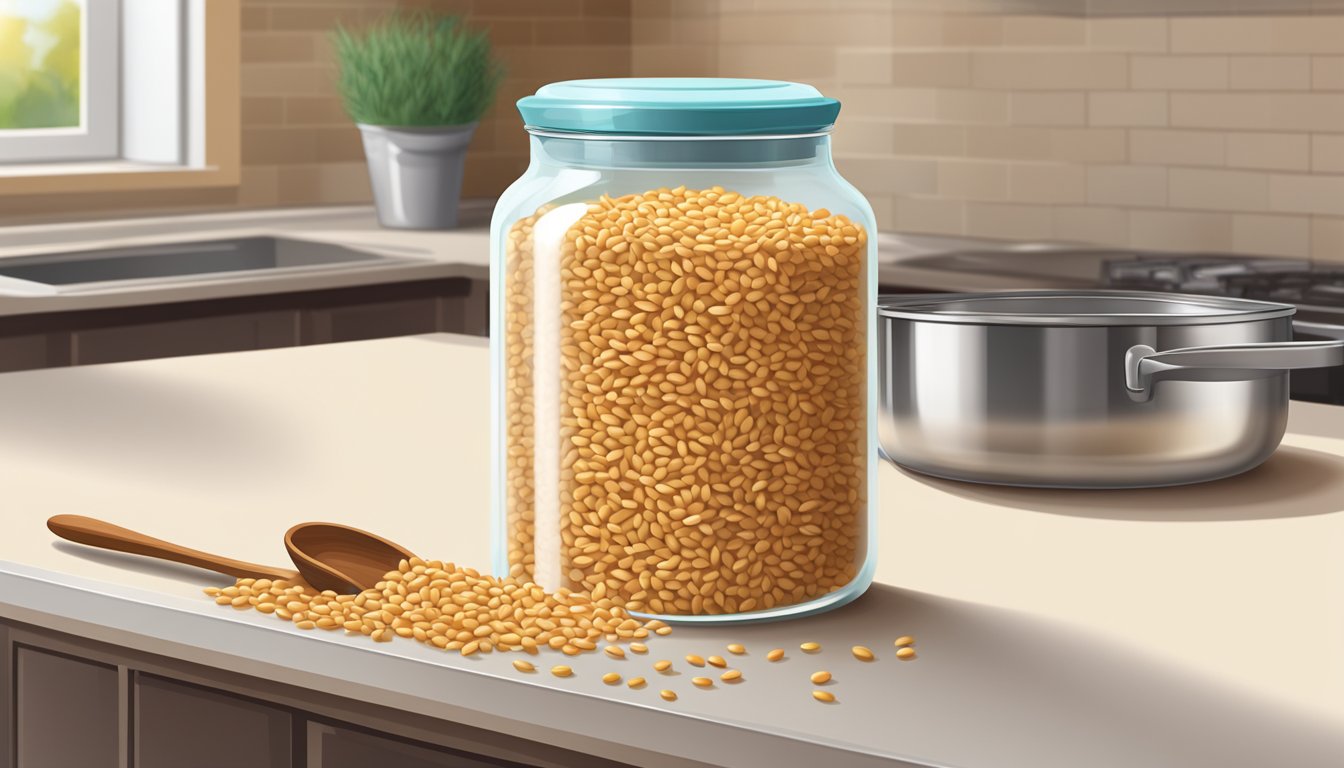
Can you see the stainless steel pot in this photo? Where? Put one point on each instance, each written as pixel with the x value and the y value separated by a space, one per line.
pixel 1086 389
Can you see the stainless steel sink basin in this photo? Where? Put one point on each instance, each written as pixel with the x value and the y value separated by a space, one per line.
pixel 110 268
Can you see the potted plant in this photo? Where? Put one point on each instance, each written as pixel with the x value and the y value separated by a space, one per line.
pixel 417 85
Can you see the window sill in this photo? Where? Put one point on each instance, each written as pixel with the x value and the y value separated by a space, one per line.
pixel 108 176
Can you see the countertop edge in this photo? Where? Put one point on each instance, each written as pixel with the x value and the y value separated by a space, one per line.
pixel 225 289
pixel 117 615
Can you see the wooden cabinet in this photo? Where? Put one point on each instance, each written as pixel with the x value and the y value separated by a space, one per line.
pixel 66 711
pixel 468 312
pixel 70 702
pixel 46 340
pixel 177 725
pixel 175 338
pixel 332 746
pixel 34 350
pixel 370 321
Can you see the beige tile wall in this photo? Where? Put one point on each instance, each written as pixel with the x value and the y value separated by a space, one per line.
pixel 982 117
pixel 298 146
pixel 1189 132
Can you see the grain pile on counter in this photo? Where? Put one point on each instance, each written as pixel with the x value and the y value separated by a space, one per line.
pixel 711 401
pixel 459 609
pixel 448 607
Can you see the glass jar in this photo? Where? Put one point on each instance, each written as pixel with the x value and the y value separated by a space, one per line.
pixel 683 347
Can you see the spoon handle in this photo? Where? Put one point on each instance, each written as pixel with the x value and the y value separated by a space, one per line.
pixel 96 533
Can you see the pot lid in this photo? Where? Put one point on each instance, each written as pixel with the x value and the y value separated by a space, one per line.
pixel 1078 308
pixel 679 106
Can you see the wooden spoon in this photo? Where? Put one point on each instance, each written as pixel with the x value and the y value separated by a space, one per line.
pixel 96 533
pixel 341 558
pixel 328 556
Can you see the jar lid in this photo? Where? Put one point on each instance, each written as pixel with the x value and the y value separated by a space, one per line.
pixel 679 106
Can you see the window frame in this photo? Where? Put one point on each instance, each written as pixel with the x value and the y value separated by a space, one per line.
pixel 99 133
pixel 214 112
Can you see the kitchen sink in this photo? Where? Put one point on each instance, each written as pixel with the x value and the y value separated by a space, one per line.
pixel 110 268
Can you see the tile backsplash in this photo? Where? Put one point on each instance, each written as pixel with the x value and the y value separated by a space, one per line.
pixel 1189 124
pixel 1222 131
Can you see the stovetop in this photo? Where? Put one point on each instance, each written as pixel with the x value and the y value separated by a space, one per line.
pixel 1289 281
pixel 1312 286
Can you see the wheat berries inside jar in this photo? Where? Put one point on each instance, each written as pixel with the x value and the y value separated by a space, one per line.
pixel 683 295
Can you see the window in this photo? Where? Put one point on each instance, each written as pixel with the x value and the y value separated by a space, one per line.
pixel 114 95
pixel 59 88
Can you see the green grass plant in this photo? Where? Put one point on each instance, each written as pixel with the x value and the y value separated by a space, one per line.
pixel 416 69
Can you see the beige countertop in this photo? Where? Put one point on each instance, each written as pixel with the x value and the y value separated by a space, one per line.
pixel 1195 626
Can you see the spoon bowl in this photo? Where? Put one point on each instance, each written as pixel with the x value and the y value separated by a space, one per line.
pixel 342 559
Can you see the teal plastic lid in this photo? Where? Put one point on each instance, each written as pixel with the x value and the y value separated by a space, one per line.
pixel 679 106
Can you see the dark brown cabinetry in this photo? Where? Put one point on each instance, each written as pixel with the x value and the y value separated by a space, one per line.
pixel 69 702
pixel 177 725
pixel 48 340
pixel 331 746
pixel 175 338
pixel 67 713
pixel 369 321
pixel 34 350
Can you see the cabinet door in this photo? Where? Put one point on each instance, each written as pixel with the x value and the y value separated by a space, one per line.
pixel 195 336
pixel 331 746
pixel 370 321
pixel 467 313
pixel 40 350
pixel 66 712
pixel 184 726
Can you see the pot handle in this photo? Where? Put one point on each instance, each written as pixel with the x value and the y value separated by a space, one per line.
pixel 1145 366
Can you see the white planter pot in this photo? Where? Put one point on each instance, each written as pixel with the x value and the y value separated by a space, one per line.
pixel 416 173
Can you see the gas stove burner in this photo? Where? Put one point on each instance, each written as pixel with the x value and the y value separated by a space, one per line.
pixel 1194 273
pixel 1326 295
pixel 1323 287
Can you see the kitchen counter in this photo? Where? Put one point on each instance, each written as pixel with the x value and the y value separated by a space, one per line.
pixel 1194 626
pixel 423 255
